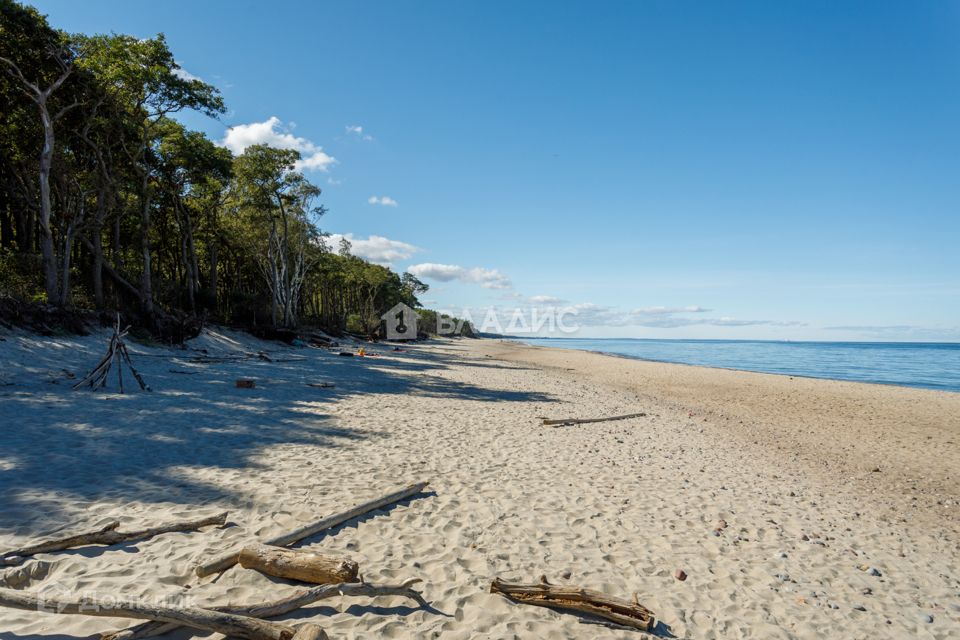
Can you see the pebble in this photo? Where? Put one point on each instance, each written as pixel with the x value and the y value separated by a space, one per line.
pixel 873 571
pixel 680 575
pixel 566 574
pixel 720 525
pixel 927 618
pixel 859 607
pixel 866 591
pixel 783 577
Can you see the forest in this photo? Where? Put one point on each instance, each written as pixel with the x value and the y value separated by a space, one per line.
pixel 109 204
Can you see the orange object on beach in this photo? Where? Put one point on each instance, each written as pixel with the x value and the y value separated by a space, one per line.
pixel 361 352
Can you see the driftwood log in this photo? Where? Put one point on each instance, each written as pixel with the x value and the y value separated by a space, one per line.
pixel 107 535
pixel 226 623
pixel 282 606
pixel 571 421
pixel 594 603
pixel 227 560
pixel 298 564
pixel 310 632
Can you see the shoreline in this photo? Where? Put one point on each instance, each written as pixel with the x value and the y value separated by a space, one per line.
pixel 613 506
pixel 726 368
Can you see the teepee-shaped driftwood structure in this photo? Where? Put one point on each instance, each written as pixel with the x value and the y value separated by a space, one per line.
pixel 117 351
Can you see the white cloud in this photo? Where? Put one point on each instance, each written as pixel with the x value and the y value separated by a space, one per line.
pixel 384 201
pixel 376 249
pixel 182 73
pixel 662 311
pixel 357 130
pixel 546 300
pixel 486 278
pixel 270 133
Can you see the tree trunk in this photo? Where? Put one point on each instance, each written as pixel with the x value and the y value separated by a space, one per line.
pixel 146 279
pixel 298 564
pixel 46 233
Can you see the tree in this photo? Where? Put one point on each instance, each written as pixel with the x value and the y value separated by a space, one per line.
pixel 24 30
pixel 268 184
pixel 149 87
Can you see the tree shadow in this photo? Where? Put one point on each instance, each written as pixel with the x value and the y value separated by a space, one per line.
pixel 61 448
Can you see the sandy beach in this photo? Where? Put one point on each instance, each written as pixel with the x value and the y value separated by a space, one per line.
pixel 840 499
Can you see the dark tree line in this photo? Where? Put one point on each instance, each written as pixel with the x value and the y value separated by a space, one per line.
pixel 108 202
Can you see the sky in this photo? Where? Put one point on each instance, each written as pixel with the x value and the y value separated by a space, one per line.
pixel 656 169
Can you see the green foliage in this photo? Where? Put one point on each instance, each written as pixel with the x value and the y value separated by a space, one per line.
pixel 157 204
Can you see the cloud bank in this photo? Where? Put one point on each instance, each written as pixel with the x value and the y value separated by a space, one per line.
pixel 376 249
pixel 270 133
pixel 486 278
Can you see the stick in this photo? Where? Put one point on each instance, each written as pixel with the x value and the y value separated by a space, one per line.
pixel 221 622
pixel 571 421
pixel 227 560
pixel 298 564
pixel 282 606
pixel 595 603
pixel 108 535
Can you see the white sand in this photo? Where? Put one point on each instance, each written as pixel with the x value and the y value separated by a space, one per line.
pixel 619 505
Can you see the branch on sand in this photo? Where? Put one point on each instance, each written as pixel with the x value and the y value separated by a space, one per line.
pixel 227 560
pixel 594 603
pixel 226 623
pixel 563 422
pixel 107 535
pixel 283 605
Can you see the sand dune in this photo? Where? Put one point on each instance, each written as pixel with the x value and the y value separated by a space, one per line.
pixel 615 506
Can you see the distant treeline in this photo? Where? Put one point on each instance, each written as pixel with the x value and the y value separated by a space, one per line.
pixel 107 202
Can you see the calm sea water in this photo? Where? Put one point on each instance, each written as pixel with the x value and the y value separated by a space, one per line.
pixel 912 364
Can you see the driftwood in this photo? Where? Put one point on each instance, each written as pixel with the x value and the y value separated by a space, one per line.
pixel 282 606
pixel 595 603
pixel 321 385
pixel 571 421
pixel 116 352
pixel 298 564
pixel 107 535
pixel 227 623
pixel 227 560
pixel 310 632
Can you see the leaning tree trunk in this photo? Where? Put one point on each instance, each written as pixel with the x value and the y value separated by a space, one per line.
pixel 146 281
pixel 46 233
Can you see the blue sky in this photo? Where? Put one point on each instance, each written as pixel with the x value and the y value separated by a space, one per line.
pixel 774 170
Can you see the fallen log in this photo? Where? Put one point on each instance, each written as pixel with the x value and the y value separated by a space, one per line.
pixel 298 564
pixel 227 560
pixel 572 421
pixel 309 632
pixel 595 603
pixel 281 606
pixel 107 535
pixel 226 623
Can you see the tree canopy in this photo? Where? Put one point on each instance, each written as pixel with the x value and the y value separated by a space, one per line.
pixel 108 202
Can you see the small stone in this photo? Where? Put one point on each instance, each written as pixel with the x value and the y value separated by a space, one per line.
pixel 859 607
pixel 804 537
pixel 866 591
pixel 566 574
pixel 927 618
pixel 720 525
pixel 873 571
pixel 680 575
pixel 834 606
pixel 783 577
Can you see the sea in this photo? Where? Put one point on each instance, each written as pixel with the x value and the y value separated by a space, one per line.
pixel 911 364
